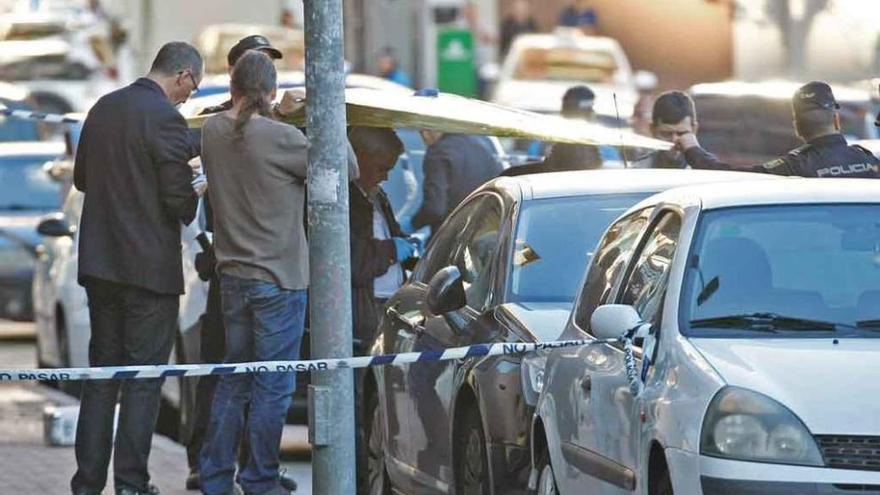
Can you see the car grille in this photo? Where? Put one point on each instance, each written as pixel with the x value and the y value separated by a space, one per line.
pixel 850 452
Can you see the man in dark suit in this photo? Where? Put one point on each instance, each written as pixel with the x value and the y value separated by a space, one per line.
pixel 455 165
pixel 132 166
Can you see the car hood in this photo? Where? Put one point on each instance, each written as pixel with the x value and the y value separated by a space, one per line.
pixel 832 388
pixel 544 322
pixel 20 225
pixel 546 96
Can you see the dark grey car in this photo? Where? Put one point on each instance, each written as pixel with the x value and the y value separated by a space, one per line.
pixel 504 267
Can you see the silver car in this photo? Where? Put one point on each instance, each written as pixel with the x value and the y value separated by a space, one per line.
pixel 758 307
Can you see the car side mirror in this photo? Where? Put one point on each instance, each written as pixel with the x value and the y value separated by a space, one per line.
pixel 55 225
pixel 612 321
pixel 645 81
pixel 446 291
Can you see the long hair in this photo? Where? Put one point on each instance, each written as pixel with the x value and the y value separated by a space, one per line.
pixel 253 79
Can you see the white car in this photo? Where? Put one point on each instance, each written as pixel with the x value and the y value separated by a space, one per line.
pixel 61 306
pixel 539 68
pixel 758 308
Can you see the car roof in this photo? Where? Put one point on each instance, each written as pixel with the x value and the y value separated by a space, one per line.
pixel 32 148
pixel 615 181
pixel 774 89
pixel 781 192
pixel 565 37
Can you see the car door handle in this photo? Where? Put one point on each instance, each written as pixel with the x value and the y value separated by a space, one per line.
pixel 587 384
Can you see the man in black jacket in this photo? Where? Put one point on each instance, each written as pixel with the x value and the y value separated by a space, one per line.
pixel 379 251
pixel 455 165
pixel 132 166
pixel 825 154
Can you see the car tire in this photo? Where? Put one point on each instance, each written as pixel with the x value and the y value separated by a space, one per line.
pixel 663 484
pixel 376 481
pixel 471 461
pixel 546 478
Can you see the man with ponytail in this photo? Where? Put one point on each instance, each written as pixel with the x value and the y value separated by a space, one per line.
pixel 257 168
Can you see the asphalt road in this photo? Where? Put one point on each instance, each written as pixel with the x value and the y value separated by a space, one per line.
pixel 18 350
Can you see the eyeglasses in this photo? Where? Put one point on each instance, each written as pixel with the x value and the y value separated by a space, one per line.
pixel 191 78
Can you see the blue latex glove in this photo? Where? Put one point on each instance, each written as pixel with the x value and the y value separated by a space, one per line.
pixel 404 248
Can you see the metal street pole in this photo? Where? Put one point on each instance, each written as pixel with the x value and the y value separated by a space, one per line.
pixel 331 395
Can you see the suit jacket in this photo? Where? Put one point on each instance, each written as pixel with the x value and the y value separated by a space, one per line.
pixel 370 258
pixel 132 166
pixel 454 167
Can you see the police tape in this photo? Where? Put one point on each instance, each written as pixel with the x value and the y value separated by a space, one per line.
pixel 178 370
pixel 51 118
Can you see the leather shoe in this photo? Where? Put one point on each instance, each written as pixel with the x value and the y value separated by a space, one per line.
pixel 125 490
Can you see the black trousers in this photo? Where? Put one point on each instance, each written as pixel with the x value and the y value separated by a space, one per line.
pixel 130 326
pixel 212 349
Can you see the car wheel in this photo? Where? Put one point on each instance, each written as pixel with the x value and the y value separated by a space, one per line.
pixel 546 478
pixel 471 466
pixel 376 482
pixel 663 485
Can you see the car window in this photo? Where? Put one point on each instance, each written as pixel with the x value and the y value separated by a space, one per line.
pixel 814 262
pixel 609 264
pixel 444 247
pixel 477 250
pixel 565 63
pixel 555 239
pixel 646 285
pixel 24 185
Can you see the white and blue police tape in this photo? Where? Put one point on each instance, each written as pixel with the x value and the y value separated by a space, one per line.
pixel 162 371
pixel 51 118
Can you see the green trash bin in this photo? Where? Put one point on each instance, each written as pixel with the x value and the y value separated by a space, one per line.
pixel 456 66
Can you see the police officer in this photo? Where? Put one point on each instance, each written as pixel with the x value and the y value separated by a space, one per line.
pixel 825 154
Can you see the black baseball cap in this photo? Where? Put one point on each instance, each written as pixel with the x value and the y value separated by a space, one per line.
pixel 814 95
pixel 252 42
pixel 578 100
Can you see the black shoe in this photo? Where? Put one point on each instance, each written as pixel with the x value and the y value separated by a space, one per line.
pixel 286 481
pixel 84 491
pixel 193 480
pixel 124 490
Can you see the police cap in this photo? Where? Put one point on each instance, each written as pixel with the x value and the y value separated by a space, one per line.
pixel 578 101
pixel 814 95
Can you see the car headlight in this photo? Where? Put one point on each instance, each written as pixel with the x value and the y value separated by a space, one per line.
pixel 533 376
pixel 747 426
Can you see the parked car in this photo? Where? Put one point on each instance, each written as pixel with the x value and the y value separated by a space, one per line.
pixel 16 98
pixel 539 68
pixel 26 194
pixel 745 123
pixel 215 41
pixel 759 307
pixel 504 267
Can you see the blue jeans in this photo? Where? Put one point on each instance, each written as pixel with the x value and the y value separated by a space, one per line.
pixel 263 323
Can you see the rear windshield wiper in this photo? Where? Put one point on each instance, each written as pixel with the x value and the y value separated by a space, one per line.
pixel 767 322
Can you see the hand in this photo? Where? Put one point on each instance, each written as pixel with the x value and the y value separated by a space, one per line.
pixel 404 249
pixel 686 141
pixel 291 101
pixel 196 165
pixel 200 185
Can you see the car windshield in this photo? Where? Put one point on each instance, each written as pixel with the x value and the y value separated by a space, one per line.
pixel 555 239
pixel 24 185
pixel 566 64
pixel 786 271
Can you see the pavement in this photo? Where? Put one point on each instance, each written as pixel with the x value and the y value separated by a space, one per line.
pixel 30 466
